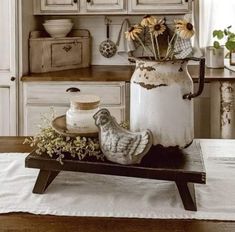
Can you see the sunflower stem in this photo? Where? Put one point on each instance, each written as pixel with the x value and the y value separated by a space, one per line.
pixel 154 51
pixel 169 48
pixel 158 49
pixel 143 46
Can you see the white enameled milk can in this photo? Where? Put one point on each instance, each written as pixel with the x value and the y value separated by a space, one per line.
pixel 162 100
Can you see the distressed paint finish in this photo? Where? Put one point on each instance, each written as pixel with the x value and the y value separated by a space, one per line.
pixel 157 103
pixel 227 110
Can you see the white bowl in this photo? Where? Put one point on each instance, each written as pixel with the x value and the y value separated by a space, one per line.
pixel 58 30
pixel 58 21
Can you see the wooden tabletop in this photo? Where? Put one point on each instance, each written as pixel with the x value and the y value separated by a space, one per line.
pixel 118 73
pixel 19 222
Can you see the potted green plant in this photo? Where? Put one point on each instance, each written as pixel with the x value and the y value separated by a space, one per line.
pixel 215 54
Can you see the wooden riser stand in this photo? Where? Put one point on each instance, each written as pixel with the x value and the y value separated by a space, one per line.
pixel 184 167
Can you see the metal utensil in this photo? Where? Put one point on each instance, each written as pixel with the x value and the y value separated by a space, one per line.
pixel 107 48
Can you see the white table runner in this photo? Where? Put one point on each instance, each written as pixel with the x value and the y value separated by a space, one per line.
pixel 80 194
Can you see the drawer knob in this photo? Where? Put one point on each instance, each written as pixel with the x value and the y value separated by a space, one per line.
pixel 75 1
pixel 73 90
pixel 13 78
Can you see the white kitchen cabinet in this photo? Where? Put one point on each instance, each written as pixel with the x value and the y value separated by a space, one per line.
pixel 8 102
pixel 56 6
pixel 40 97
pixel 4 111
pixel 159 6
pixel 64 7
pixel 109 6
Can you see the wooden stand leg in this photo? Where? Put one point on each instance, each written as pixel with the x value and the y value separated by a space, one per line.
pixel 43 181
pixel 187 194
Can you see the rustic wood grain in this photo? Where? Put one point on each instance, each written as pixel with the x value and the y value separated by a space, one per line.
pixel 52 54
pixel 19 222
pixel 119 73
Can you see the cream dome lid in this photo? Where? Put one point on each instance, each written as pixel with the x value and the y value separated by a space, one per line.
pixel 85 102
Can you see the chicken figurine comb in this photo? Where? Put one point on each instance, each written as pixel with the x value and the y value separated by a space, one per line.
pixel 118 144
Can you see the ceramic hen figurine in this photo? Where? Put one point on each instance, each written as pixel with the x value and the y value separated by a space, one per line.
pixel 118 144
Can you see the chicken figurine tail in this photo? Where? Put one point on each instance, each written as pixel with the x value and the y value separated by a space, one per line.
pixel 118 144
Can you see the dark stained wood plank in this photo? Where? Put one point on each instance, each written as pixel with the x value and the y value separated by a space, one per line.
pixel 177 166
pixel 93 73
pixel 13 144
pixel 19 222
pixel 187 194
pixel 119 73
pixel 212 74
pixel 44 179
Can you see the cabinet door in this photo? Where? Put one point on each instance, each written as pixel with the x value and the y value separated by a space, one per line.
pixel 34 114
pixel 8 113
pixel 56 6
pixel 105 6
pixel 160 6
pixel 4 111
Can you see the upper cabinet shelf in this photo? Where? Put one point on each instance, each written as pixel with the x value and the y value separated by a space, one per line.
pixel 86 7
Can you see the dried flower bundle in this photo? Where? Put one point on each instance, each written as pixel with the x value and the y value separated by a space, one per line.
pixel 49 142
pixel 183 31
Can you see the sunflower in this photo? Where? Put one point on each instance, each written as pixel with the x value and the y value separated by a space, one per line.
pixel 148 20
pixel 133 32
pixel 158 28
pixel 184 29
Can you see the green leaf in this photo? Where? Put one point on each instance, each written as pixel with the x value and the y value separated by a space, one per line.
pixel 219 34
pixel 230 45
pixel 229 27
pixel 216 44
pixel 226 32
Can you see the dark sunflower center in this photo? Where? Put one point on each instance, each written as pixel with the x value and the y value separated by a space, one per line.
pixel 157 27
pixel 131 29
pixel 189 26
pixel 147 16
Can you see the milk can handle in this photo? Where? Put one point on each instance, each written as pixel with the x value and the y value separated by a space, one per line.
pixel 189 96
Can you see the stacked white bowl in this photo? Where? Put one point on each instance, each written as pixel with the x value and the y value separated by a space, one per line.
pixel 57 28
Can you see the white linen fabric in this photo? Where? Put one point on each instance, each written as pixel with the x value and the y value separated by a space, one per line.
pixel 80 194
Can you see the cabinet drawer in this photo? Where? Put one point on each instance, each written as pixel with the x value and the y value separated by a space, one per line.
pixel 56 6
pixel 33 116
pixel 160 6
pixel 110 94
pixel 105 6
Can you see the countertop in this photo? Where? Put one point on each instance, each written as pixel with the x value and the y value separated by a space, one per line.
pixel 119 73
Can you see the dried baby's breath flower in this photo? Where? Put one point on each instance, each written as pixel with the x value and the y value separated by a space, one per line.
pixel 55 145
pixel 49 142
pixel 184 29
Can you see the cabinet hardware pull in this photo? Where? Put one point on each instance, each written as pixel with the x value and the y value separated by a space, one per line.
pixel 73 89
pixel 88 1
pixel 67 48
pixel 75 1
pixel 13 78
